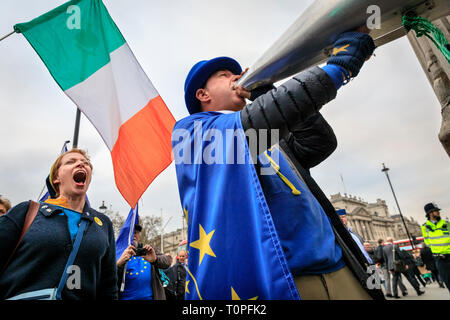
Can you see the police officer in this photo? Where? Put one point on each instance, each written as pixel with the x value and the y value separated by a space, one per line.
pixel 436 235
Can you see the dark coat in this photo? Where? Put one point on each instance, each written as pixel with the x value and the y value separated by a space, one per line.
pixel 409 259
pixel 379 255
pixel 427 258
pixel 371 254
pixel 306 140
pixel 42 255
pixel 162 262
pixel 179 275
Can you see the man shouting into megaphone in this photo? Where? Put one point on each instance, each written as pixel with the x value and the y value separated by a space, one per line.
pixel 265 217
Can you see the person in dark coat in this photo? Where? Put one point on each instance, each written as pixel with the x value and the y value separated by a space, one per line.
pixel 306 140
pixel 378 253
pixel 430 264
pixel 40 259
pixel 388 251
pixel 409 263
pixel 411 271
pixel 179 274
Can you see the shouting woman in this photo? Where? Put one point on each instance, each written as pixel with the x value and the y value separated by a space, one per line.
pixel 68 252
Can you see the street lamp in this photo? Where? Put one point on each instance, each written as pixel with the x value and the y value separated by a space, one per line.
pixel 385 170
pixel 162 231
pixel 103 208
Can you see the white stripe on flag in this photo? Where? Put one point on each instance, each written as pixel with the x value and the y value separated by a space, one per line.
pixel 113 94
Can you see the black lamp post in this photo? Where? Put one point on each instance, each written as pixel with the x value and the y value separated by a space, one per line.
pixel 103 208
pixel 385 170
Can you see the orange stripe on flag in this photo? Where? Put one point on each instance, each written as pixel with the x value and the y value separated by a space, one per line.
pixel 143 149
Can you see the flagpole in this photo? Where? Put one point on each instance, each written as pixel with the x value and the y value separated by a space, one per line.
pixel 9 34
pixel 63 150
pixel 77 129
pixel 78 115
pixel 42 191
pixel 133 219
pixel 130 241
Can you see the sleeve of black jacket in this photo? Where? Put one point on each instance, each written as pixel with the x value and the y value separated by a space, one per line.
pixel 292 108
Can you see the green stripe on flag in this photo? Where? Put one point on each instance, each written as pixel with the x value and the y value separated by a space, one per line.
pixel 73 42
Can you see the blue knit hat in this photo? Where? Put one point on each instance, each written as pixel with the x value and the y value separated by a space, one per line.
pixel 341 212
pixel 200 73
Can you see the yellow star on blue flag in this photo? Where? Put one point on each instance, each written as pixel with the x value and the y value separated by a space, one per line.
pixel 202 244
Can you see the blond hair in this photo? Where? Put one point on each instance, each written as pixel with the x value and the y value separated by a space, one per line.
pixel 5 202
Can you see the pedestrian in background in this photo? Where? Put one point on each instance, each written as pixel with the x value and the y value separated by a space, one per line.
pixel 410 272
pixel 180 273
pixel 142 279
pixel 356 237
pixel 368 248
pixel 430 264
pixel 382 265
pixel 388 251
pixel 420 267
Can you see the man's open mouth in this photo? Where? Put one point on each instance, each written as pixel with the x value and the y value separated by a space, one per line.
pixel 79 177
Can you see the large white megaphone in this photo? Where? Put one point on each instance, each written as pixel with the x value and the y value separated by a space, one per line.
pixel 309 40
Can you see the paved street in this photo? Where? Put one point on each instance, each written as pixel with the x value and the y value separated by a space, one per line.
pixel 432 292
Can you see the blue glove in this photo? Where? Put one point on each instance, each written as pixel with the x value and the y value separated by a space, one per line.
pixel 350 51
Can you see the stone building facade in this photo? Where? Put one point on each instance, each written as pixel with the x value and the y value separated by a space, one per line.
pixel 170 241
pixel 412 225
pixel 372 221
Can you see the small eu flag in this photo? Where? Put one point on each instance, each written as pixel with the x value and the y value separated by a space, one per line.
pixel 126 233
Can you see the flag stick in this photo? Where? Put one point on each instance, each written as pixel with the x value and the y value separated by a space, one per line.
pixel 63 150
pixel 77 129
pixel 78 116
pixel 42 191
pixel 6 36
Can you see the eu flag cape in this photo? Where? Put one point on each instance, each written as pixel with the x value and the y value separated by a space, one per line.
pixel 233 249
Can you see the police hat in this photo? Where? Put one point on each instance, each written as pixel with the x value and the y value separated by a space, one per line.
pixel 341 212
pixel 430 207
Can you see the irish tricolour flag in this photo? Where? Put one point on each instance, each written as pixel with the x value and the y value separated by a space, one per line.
pixel 90 60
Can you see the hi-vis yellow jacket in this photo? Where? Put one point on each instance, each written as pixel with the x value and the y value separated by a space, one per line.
pixel 437 236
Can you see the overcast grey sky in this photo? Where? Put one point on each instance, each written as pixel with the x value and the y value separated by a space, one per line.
pixel 388 114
